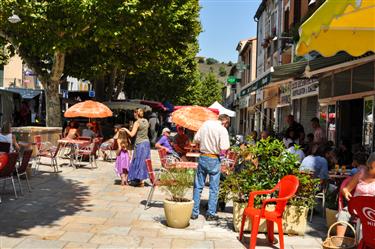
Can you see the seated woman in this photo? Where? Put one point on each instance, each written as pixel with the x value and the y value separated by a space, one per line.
pixel 164 143
pixel 364 184
pixel 6 136
pixel 73 131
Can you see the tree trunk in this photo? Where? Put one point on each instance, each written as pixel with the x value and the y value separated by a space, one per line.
pixel 51 87
pixel 53 105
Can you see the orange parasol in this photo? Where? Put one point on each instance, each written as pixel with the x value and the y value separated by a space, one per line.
pixel 192 117
pixel 88 109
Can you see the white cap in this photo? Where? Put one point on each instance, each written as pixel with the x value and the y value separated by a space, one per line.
pixel 166 130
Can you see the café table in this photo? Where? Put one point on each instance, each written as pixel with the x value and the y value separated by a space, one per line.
pixel 75 144
pixel 338 178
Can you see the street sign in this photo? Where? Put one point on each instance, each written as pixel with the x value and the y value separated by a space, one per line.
pixel 91 94
pixel 232 79
pixel 65 94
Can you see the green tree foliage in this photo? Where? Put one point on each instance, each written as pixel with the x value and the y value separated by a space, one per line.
pixel 103 41
pixel 211 61
pixel 204 90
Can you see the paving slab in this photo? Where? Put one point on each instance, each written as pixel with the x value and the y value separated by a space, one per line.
pixel 84 208
pixel 77 236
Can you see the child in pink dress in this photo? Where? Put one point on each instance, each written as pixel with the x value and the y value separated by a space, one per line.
pixel 123 158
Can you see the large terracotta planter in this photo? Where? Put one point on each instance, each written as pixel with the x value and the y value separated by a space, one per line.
pixel 294 219
pixel 331 216
pixel 178 213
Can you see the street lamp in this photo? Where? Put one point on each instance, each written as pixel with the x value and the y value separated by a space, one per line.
pixel 14 18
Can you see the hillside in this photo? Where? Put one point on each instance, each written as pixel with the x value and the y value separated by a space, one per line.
pixel 221 70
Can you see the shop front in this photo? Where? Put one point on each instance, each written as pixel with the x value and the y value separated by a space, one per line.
pixel 347 105
pixel 284 108
pixel 304 98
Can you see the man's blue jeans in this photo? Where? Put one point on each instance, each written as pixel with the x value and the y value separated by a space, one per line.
pixel 207 166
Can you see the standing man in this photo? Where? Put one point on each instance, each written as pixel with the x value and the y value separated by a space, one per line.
pixel 213 139
pixel 297 128
pixel 154 128
pixel 319 136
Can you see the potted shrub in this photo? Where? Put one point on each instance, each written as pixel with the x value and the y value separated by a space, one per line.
pixel 332 206
pixel 266 163
pixel 177 208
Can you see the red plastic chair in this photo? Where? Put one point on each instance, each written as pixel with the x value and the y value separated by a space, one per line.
pixel 89 152
pixel 286 188
pixel 174 163
pixel 21 170
pixel 154 179
pixel 6 173
pixel 364 208
pixel 3 160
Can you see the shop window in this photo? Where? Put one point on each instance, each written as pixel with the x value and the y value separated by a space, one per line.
pixel 363 78
pixel 342 83
pixel 325 87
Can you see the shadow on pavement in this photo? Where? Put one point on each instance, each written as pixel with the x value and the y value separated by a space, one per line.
pixel 52 198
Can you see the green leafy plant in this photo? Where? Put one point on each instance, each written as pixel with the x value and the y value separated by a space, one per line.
pixel 265 163
pixel 176 182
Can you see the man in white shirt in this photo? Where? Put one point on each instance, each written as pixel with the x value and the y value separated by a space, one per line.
pixel 213 139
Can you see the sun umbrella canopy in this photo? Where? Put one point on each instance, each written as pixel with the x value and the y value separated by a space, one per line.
pixel 88 109
pixel 339 25
pixel 192 117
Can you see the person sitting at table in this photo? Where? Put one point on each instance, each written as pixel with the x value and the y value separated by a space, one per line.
pixel 317 163
pixel 73 131
pixel 181 140
pixel 89 131
pixel 6 136
pixel 165 144
pixel 359 162
pixel 364 184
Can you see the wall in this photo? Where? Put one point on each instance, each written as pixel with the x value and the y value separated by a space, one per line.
pixel 13 71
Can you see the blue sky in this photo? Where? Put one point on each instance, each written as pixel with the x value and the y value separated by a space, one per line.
pixel 224 24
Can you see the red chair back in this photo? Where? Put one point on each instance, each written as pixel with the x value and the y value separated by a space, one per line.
pixel 3 160
pixel 38 141
pixel 341 197
pixel 287 187
pixel 151 173
pixel 364 208
pixel 163 157
pixel 10 167
pixel 25 161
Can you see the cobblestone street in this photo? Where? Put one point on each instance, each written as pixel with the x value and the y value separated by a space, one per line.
pixel 84 208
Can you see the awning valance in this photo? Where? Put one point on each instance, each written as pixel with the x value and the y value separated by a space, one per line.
pixel 295 70
pixel 339 25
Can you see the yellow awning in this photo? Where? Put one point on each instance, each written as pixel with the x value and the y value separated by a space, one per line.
pixel 339 25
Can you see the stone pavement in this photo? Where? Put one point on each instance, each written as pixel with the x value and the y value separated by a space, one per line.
pixel 84 208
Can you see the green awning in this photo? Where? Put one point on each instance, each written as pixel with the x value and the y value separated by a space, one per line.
pixel 296 70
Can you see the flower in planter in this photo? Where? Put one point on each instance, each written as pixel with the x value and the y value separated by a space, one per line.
pixel 176 182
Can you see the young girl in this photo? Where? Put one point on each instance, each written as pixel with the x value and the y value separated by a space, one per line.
pixel 123 158
pixel 364 184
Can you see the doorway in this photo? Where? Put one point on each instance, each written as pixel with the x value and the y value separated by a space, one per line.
pixel 350 122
